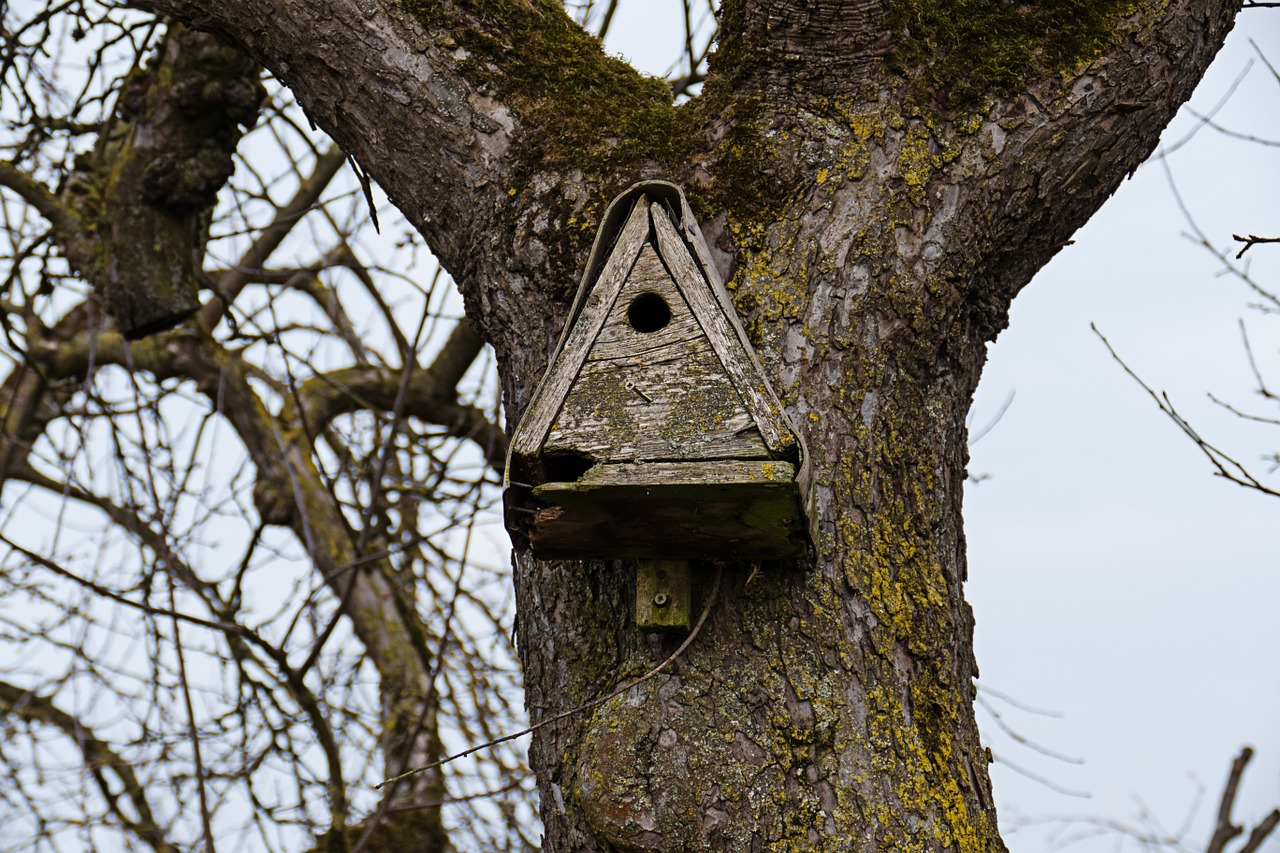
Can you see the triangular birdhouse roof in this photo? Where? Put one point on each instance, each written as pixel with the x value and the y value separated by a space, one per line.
pixel 653 365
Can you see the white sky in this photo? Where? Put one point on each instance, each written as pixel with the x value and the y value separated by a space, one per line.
pixel 1113 579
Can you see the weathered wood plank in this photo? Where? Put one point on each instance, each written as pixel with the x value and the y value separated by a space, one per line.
pixel 619 337
pixel 724 473
pixel 582 331
pixel 737 359
pixel 668 353
pixel 662 595
pixel 674 409
pixel 746 510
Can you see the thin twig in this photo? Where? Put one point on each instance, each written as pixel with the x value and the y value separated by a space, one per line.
pixel 1251 241
pixel 608 19
pixel 1225 830
pixel 981 433
pixel 1205 119
pixel 1227 467
pixel 1041 780
pixel 1261 831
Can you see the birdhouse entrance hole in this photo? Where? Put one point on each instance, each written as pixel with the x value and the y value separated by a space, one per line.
pixel 649 313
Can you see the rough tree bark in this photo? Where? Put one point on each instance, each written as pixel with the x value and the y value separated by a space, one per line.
pixel 880 178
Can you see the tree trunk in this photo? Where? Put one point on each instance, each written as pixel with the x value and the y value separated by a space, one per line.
pixel 879 179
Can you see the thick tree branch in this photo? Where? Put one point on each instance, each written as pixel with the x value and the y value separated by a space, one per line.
pixel 155 173
pixel 431 395
pixel 456 356
pixel 68 226
pixel 24 414
pixel 1061 146
pixel 27 404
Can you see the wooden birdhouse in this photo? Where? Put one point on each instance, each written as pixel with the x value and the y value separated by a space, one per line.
pixel 654 433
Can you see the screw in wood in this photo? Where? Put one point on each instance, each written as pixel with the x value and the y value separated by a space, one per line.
pixel 631 386
pixel 661 599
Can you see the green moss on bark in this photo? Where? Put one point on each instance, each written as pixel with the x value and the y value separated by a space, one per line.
pixel 575 103
pixel 958 51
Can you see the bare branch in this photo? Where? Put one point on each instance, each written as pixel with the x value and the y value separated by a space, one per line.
pixel 607 19
pixel 1224 830
pixel 1250 242
pixel 430 395
pixel 1202 239
pixel 98 756
pixel 229 285
pixel 1263 830
pixel 1226 467
pixel 64 220
pixel 306 699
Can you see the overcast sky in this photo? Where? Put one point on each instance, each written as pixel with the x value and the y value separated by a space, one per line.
pixel 1115 581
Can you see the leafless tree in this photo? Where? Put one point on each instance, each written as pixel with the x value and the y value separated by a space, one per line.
pixel 279 600
pixel 249 566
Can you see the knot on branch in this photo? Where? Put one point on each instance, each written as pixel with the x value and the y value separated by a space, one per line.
pixel 273 499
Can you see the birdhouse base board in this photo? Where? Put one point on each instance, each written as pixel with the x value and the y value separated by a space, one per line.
pixel 672 510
